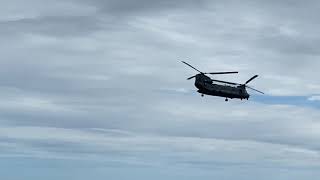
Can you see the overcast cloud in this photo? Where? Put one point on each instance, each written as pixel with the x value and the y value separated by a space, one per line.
pixel 95 89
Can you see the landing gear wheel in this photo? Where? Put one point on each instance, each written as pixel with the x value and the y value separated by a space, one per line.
pixel 202 95
pixel 227 99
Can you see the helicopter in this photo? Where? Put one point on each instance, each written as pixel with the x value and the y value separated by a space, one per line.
pixel 206 85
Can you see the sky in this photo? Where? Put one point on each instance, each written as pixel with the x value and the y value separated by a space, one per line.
pixel 96 89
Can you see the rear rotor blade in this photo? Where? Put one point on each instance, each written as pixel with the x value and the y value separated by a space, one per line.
pixel 192 67
pixel 254 89
pixel 231 72
pixel 226 82
pixel 251 79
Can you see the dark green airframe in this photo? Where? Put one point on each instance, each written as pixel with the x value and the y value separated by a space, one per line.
pixel 225 89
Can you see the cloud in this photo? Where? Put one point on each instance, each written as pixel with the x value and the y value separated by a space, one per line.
pixel 40 142
pixel 102 81
pixel 58 26
pixel 142 6
pixel 15 10
pixel 314 98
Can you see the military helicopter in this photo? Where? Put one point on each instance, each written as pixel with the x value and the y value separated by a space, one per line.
pixel 227 89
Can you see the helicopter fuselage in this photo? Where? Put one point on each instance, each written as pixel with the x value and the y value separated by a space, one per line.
pixel 205 86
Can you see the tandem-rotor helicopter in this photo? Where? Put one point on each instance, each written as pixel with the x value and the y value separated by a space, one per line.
pixel 227 89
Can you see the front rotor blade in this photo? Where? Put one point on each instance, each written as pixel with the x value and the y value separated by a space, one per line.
pixel 231 72
pixel 191 67
pixel 191 77
pixel 251 79
pixel 226 82
pixel 254 89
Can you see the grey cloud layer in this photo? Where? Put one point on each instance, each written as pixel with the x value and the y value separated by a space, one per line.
pixel 77 69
